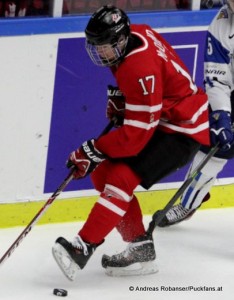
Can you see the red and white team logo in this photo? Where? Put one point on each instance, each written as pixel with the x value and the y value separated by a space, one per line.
pixel 116 18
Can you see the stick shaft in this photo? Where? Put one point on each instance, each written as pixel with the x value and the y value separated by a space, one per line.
pixel 37 217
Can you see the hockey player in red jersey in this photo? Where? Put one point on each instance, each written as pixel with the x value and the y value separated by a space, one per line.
pixel 161 120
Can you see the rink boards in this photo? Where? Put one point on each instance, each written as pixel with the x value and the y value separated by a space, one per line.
pixel 77 209
pixel 59 100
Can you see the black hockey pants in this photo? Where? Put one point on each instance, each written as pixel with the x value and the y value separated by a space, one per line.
pixel 165 153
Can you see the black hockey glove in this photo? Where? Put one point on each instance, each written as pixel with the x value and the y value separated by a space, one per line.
pixel 221 129
pixel 115 105
pixel 85 159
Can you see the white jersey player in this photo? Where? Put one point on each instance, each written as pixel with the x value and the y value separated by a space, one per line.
pixel 219 85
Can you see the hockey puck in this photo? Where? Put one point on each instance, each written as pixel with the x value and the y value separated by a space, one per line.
pixel 60 292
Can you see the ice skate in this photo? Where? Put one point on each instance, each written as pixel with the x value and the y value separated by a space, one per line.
pixel 175 215
pixel 137 259
pixel 72 256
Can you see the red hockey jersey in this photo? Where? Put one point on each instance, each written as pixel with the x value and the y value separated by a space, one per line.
pixel 160 95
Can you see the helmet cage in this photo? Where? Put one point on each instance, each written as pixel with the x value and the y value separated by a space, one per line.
pixel 107 54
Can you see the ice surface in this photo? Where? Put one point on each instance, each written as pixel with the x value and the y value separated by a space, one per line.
pixel 198 253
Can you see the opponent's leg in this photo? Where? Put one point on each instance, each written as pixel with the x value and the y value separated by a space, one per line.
pixel 197 192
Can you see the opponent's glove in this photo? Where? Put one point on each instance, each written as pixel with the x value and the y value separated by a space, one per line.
pixel 221 129
pixel 115 105
pixel 85 159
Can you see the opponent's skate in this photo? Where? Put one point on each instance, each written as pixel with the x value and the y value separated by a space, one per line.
pixel 137 259
pixel 178 213
pixel 72 256
pixel 175 215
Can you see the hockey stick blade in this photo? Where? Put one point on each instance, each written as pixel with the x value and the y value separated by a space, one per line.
pixel 45 207
pixel 156 219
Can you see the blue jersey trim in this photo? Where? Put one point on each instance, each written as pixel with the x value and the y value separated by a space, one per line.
pixel 216 53
pixel 48 25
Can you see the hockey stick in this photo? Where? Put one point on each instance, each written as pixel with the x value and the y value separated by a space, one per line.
pixel 156 219
pixel 45 207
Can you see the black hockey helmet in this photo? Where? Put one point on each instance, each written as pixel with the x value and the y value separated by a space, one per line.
pixel 107 35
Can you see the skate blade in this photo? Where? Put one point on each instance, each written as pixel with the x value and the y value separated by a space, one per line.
pixel 143 268
pixel 65 262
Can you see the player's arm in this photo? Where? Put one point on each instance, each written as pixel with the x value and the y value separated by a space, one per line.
pixel 115 109
pixel 218 82
pixel 142 112
pixel 217 74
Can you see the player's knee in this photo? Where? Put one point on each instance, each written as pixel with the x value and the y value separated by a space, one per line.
pixel 123 177
pixel 115 200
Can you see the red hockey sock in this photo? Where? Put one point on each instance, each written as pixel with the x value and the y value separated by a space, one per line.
pixel 105 215
pixel 131 225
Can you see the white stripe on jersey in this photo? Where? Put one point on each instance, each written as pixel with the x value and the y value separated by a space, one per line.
pixel 197 114
pixel 111 206
pixel 191 131
pixel 140 124
pixel 145 108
